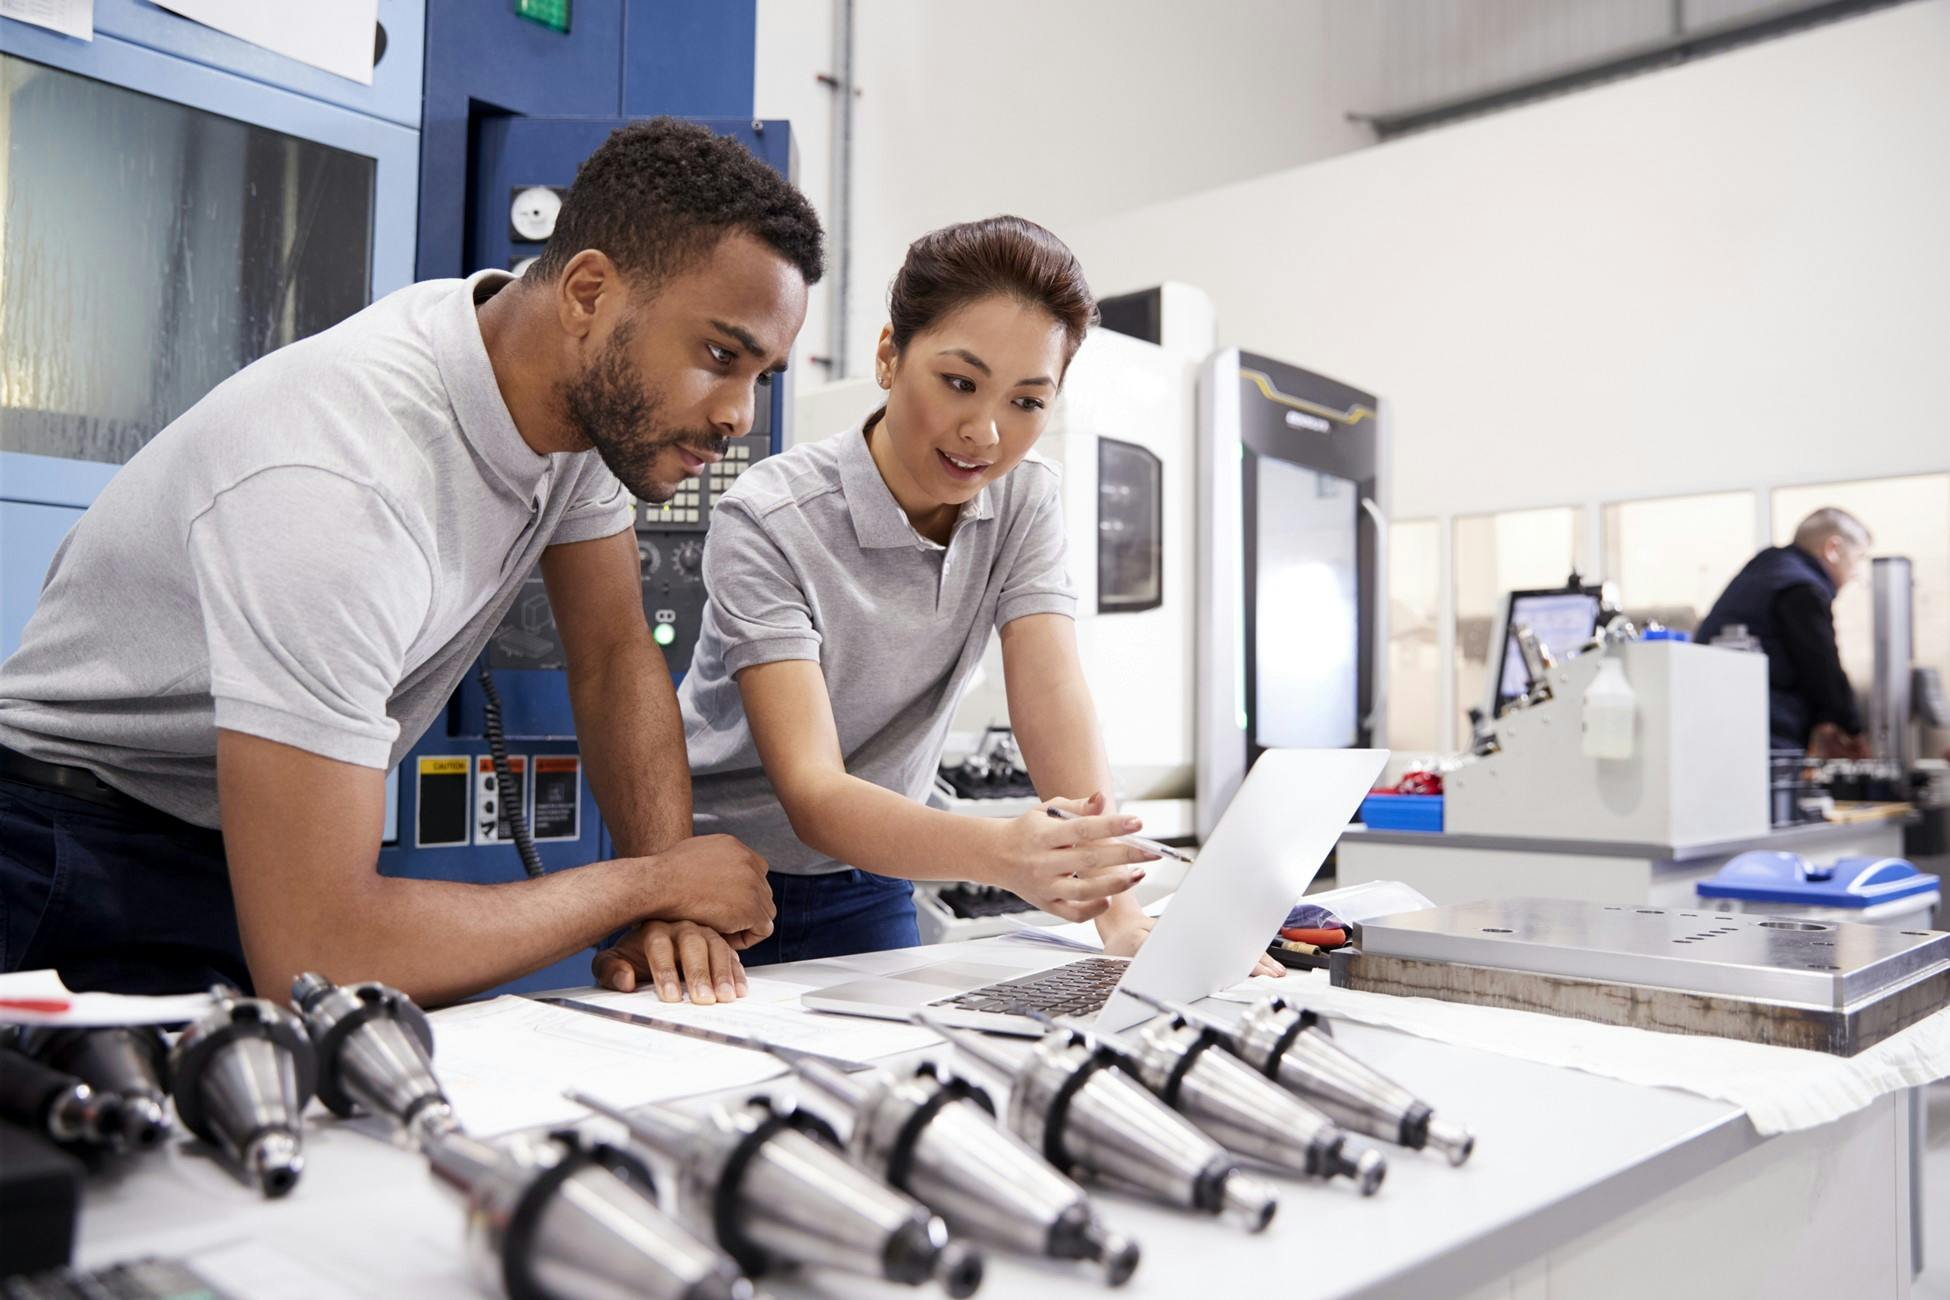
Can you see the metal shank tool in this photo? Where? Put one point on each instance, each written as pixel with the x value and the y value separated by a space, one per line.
pixel 241 1077
pixel 1074 1100
pixel 1291 1047
pixel 39 1097
pixel 375 1053
pixel 124 1061
pixel 771 1186
pixel 563 1218
pixel 1189 1063
pixel 934 1135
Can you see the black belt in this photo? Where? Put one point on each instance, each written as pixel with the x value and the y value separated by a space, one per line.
pixel 76 782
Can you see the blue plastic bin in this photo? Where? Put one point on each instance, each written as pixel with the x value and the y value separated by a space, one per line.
pixel 1402 812
pixel 1880 891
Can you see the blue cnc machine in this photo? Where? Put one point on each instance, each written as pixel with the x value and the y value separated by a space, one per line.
pixel 477 117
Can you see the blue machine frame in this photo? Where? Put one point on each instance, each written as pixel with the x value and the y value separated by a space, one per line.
pixel 455 73
pixel 516 152
pixel 144 49
pixel 511 103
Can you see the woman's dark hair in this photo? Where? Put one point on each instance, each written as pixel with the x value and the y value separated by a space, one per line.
pixel 659 195
pixel 950 268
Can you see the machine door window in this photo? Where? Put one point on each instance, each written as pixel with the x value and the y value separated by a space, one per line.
pixel 149 251
pixel 1306 640
pixel 1130 528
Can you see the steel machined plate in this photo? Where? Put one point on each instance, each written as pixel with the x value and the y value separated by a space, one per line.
pixel 1816 964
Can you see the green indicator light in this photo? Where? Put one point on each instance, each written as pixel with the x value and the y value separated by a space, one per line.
pixel 663 633
pixel 553 14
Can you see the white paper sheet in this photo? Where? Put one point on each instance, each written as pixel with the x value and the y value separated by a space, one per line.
pixel 244 1267
pixel 74 18
pixel 90 1008
pixel 506 1062
pixel 1372 898
pixel 336 35
pixel 759 988
pixel 771 1012
pixel 1782 1089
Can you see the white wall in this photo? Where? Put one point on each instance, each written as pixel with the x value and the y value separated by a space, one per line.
pixel 1070 110
pixel 1059 112
pixel 1736 272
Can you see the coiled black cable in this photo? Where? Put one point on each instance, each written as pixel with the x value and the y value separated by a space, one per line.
pixel 531 861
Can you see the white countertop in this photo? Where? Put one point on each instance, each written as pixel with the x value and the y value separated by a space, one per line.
pixel 1559 1153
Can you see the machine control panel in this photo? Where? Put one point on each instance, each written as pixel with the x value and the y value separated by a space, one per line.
pixel 670 541
pixel 670 552
pixel 691 508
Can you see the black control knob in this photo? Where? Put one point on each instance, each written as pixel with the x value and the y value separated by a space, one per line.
pixel 688 560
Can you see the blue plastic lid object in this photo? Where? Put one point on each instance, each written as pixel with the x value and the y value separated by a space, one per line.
pixel 1768 877
pixel 1665 634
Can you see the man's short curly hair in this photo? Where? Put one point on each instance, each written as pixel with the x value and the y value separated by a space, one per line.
pixel 658 195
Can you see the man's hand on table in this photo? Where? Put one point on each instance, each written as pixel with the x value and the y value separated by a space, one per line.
pixel 670 957
pixel 717 882
pixel 708 897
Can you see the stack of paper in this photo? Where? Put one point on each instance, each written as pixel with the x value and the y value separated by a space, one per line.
pixel 771 1013
pixel 505 1063
pixel 38 997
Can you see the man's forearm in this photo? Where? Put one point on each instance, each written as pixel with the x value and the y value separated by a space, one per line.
pixel 301 837
pixel 632 736
pixel 439 941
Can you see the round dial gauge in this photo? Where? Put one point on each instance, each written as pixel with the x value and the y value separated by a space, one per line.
pixel 533 212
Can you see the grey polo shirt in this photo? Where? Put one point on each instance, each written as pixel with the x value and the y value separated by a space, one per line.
pixel 315 553
pixel 810 557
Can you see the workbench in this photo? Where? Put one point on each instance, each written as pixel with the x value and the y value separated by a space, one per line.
pixel 1453 868
pixel 1580 1186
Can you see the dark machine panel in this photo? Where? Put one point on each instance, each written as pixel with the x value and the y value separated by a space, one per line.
pixel 670 547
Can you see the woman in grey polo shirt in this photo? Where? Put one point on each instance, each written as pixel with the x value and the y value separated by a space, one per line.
pixel 854 583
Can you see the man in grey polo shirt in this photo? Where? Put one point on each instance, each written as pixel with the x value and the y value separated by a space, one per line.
pixel 268 605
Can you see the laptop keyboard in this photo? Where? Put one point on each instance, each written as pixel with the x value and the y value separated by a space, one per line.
pixel 1078 989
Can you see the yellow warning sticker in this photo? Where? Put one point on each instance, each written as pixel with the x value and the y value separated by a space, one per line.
pixel 443 766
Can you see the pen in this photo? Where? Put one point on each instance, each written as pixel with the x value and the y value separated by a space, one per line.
pixel 687 1030
pixel 1135 841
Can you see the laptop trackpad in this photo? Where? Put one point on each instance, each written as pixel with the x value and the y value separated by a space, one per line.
pixel 958 974
pixel 905 990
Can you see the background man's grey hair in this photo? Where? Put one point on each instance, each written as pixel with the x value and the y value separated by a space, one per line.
pixel 1827 522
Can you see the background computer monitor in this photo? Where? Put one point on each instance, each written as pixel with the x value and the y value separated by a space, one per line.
pixel 1563 619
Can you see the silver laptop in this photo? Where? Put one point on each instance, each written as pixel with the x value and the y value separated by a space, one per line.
pixel 1260 859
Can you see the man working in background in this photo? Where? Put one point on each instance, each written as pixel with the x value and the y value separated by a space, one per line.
pixel 268 606
pixel 1785 598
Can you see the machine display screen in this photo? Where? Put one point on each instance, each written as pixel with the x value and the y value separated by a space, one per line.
pixel 1562 620
pixel 151 250
pixel 1306 642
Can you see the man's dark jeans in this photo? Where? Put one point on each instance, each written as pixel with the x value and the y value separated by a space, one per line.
pixel 119 900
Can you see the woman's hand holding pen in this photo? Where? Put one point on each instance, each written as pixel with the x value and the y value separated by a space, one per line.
pixel 1071 868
